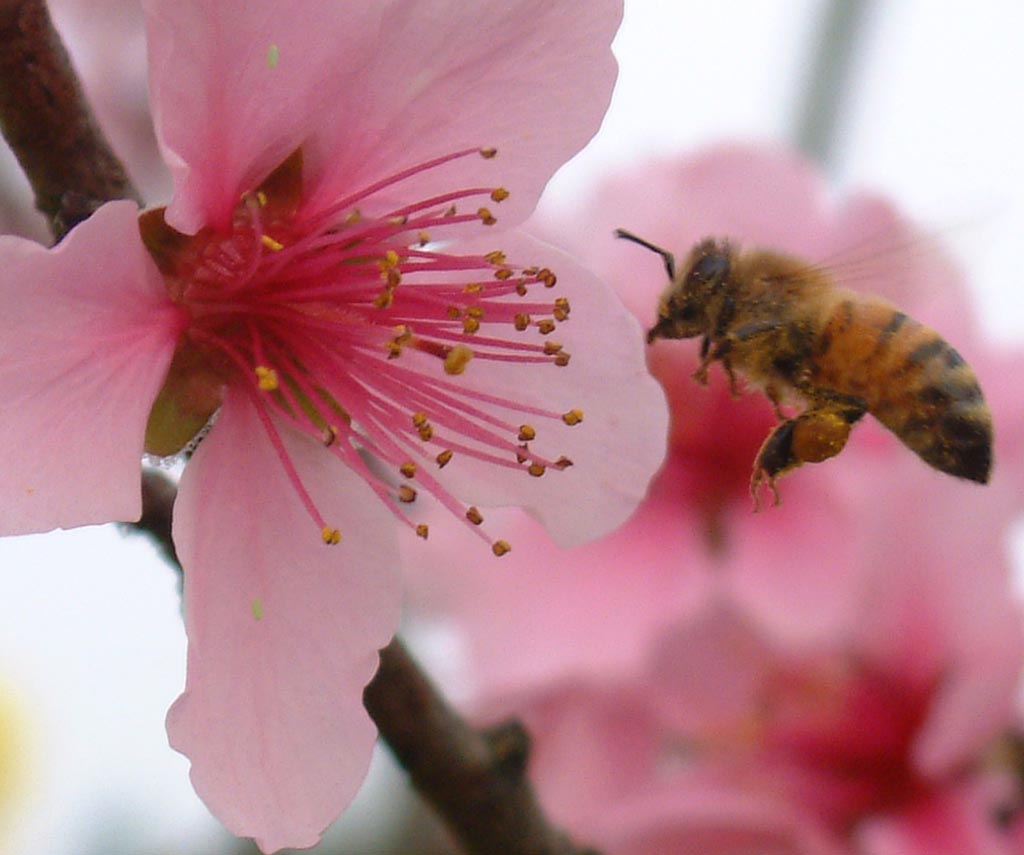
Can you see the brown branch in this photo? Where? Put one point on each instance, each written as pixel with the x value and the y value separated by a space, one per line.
pixel 48 124
pixel 475 779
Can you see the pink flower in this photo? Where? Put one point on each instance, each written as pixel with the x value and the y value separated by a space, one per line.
pixel 326 281
pixel 597 610
pixel 826 675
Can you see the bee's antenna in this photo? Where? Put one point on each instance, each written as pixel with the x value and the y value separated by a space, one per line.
pixel 666 256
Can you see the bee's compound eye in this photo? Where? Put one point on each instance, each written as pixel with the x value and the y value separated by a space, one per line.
pixel 711 266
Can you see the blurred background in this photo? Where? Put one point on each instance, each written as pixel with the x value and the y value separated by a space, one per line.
pixel 914 100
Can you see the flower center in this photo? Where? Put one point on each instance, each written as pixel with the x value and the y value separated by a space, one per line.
pixel 356 329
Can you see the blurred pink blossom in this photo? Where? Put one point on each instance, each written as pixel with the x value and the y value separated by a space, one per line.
pixel 827 675
pixel 293 289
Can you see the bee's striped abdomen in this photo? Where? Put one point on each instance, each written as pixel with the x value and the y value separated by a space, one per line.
pixel 913 382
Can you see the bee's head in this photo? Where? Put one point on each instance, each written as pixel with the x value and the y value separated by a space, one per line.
pixel 683 308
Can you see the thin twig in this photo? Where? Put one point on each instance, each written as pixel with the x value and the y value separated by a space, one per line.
pixel 48 123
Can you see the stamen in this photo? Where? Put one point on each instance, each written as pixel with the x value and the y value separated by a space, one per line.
pixel 501 547
pixel 333 298
pixel 457 359
pixel 573 417
pixel 266 378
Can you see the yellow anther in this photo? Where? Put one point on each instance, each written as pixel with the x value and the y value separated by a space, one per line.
pixel 495 256
pixel 473 288
pixel 563 462
pixel 475 312
pixel 331 536
pixel 499 194
pixel 536 469
pixel 408 469
pixel 329 435
pixel 470 325
pixel 443 458
pixel 271 244
pixel 552 347
pixel 273 56
pixel 398 221
pixel 426 432
pixel 404 333
pixel 406 494
pixel 457 359
pixel 501 547
pixel 385 298
pixel 450 211
pixel 562 359
pixel 257 609
pixel 353 217
pixel 521 288
pixel 522 321
pixel 486 217
pixel 573 417
pixel 473 515
pixel 419 419
pixel 266 378
pixel 547 277
pixel 527 433
pixel 422 530
pixel 394 349
pixel 488 151
pixel 261 198
pixel 530 271
pixel 546 326
pixel 453 312
pixel 502 274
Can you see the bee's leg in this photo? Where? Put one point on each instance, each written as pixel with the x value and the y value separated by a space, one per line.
pixel 720 353
pixel 776 398
pixel 811 437
pixel 701 374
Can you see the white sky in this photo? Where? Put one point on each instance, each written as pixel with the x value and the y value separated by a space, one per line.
pixel 91 644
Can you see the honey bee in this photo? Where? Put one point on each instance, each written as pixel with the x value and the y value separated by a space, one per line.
pixel 790 330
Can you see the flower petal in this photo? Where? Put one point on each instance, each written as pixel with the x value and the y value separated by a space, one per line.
pixel 532 78
pixel 236 86
pixel 86 336
pixel 283 630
